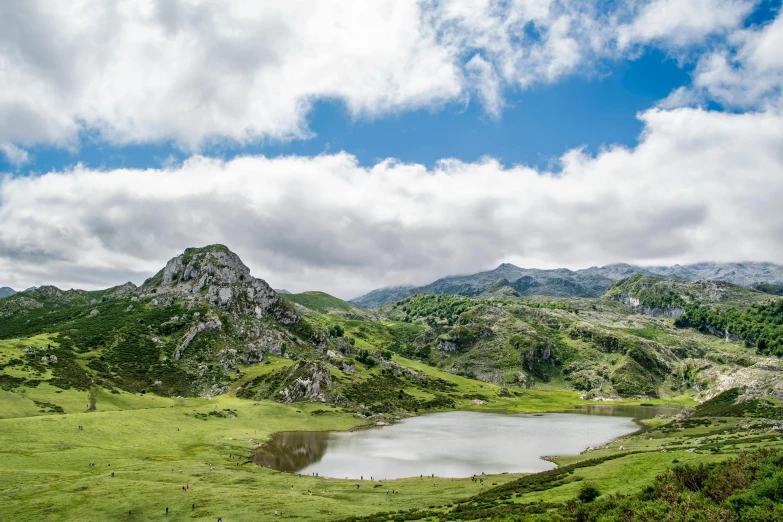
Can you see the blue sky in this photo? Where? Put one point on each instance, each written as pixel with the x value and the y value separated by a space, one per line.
pixel 589 110
pixel 315 99
pixel 540 124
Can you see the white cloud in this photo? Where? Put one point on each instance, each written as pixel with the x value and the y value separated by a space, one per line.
pixel 13 154
pixel 749 73
pixel 683 22
pixel 699 186
pixel 196 71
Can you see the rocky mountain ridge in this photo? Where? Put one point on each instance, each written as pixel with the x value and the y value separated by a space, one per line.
pixel 561 282
pixel 6 291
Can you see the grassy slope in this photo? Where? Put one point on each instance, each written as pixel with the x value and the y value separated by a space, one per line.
pixel 46 471
pixel 322 302
pixel 45 458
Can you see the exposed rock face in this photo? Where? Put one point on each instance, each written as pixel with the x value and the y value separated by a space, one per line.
pixel 762 379
pixel 639 307
pixel 207 326
pixel 308 381
pixel 122 290
pixel 447 346
pixel 216 275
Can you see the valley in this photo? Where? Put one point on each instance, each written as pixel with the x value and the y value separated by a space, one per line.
pixel 177 382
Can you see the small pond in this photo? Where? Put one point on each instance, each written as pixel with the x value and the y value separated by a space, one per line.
pixel 451 444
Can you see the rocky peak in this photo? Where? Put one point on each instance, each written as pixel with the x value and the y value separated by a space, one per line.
pixel 121 290
pixel 218 276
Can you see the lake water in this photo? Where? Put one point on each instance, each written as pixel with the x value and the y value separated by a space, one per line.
pixel 451 444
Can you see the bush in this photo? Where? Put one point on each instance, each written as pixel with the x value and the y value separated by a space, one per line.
pixel 588 493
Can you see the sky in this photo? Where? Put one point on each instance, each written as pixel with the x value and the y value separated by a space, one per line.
pixel 345 146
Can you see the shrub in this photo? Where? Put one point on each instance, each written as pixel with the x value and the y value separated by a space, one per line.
pixel 588 493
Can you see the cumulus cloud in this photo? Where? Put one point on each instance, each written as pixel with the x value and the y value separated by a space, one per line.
pixel 699 185
pixel 196 72
pixel 683 22
pixel 13 154
pixel 749 72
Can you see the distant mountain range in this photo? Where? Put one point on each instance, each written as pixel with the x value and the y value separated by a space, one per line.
pixel 5 291
pixel 509 279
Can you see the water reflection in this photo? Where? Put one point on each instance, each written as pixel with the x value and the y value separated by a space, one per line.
pixel 293 450
pixel 451 444
pixel 634 412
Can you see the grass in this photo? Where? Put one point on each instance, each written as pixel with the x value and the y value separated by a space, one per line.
pixel 145 440
pixel 321 302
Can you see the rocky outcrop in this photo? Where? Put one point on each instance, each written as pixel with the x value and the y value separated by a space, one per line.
pixel 207 326
pixel 446 346
pixel 215 276
pixel 634 302
pixel 307 381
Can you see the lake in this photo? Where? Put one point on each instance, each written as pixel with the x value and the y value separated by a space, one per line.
pixel 451 444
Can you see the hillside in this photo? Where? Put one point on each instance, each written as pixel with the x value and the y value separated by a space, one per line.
pixel 204 326
pixel 327 304
pixel 196 368
pixel 202 323
pixel 183 332
pixel 561 282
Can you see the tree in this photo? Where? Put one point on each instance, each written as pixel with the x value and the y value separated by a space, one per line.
pixel 282 349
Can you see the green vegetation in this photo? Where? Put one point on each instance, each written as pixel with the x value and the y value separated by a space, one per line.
pixel 726 405
pixel 321 302
pixel 178 375
pixel 768 288
pixel 760 325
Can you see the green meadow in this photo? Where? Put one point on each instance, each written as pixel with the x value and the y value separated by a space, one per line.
pixel 145 448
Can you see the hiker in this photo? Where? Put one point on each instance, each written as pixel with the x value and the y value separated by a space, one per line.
pixel 357 486
pixel 167 510
pixel 387 492
pixel 112 473
pixel 434 484
pixel 194 507
pixel 129 512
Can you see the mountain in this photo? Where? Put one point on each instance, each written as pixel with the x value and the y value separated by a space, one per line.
pixel 383 296
pixel 6 291
pixel 562 282
pixel 183 332
pixel 282 291
pixel 203 325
